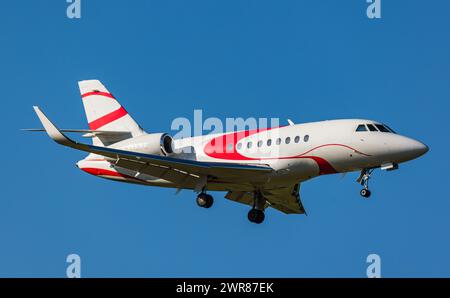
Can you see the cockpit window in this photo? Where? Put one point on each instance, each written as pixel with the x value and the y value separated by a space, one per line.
pixel 371 127
pixel 374 127
pixel 361 127
pixel 382 128
pixel 390 129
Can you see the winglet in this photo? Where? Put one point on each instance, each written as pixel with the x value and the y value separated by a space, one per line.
pixel 52 131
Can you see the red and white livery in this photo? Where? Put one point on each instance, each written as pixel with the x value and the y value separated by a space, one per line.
pixel 261 168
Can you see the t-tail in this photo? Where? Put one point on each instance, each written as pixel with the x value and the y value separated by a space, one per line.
pixel 105 114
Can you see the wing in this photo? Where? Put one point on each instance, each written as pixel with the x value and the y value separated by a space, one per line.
pixel 164 164
pixel 285 199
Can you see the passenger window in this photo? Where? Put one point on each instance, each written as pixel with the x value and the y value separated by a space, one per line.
pixel 306 138
pixel 361 127
pixel 249 145
pixel 269 142
pixel 381 128
pixel 230 147
pixel 278 141
pixel 288 140
pixel 260 143
pixel 239 146
pixel 297 139
pixel 371 127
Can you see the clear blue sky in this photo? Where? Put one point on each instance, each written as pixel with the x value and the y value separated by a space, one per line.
pixel 303 60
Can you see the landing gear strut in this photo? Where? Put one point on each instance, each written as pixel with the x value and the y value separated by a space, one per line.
pixel 256 214
pixel 364 181
pixel 205 200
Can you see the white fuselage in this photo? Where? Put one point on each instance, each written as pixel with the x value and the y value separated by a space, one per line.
pixel 261 168
pixel 296 152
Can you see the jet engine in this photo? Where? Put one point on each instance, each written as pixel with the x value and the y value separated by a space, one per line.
pixel 155 143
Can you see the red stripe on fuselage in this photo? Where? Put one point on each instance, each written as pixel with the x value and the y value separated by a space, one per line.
pixel 338 145
pixel 108 118
pixel 324 166
pixel 217 148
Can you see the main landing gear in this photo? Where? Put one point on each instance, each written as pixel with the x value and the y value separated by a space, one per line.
pixel 364 181
pixel 256 214
pixel 205 200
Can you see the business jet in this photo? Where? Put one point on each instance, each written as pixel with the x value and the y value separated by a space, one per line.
pixel 261 168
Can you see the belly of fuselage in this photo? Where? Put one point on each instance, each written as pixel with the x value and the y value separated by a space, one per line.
pixel 104 169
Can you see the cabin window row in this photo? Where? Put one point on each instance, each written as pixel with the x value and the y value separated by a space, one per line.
pixel 277 141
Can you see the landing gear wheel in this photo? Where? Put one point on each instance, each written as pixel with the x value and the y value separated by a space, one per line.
pixel 209 201
pixel 364 181
pixel 204 200
pixel 256 216
pixel 365 192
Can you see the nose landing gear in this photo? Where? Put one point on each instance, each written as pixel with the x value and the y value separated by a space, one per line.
pixel 364 181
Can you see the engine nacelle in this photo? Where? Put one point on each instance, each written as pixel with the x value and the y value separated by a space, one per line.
pixel 155 143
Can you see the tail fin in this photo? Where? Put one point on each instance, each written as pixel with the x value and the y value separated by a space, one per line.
pixel 104 112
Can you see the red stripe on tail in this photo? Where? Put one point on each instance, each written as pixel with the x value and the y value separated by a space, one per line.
pixel 105 94
pixel 108 118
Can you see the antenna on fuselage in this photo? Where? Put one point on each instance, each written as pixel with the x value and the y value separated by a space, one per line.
pixel 290 122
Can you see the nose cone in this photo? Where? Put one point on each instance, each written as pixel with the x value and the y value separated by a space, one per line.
pixel 412 149
pixel 418 149
pixel 403 148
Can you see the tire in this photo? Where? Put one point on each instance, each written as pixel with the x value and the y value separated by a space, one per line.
pixel 256 216
pixel 204 200
pixel 365 193
pixel 209 201
pixel 201 200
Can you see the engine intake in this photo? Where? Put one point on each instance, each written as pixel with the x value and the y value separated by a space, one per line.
pixel 166 144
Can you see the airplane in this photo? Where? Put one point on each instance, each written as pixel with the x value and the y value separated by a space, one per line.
pixel 261 168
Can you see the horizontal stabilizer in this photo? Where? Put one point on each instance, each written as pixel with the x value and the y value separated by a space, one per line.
pixel 89 133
